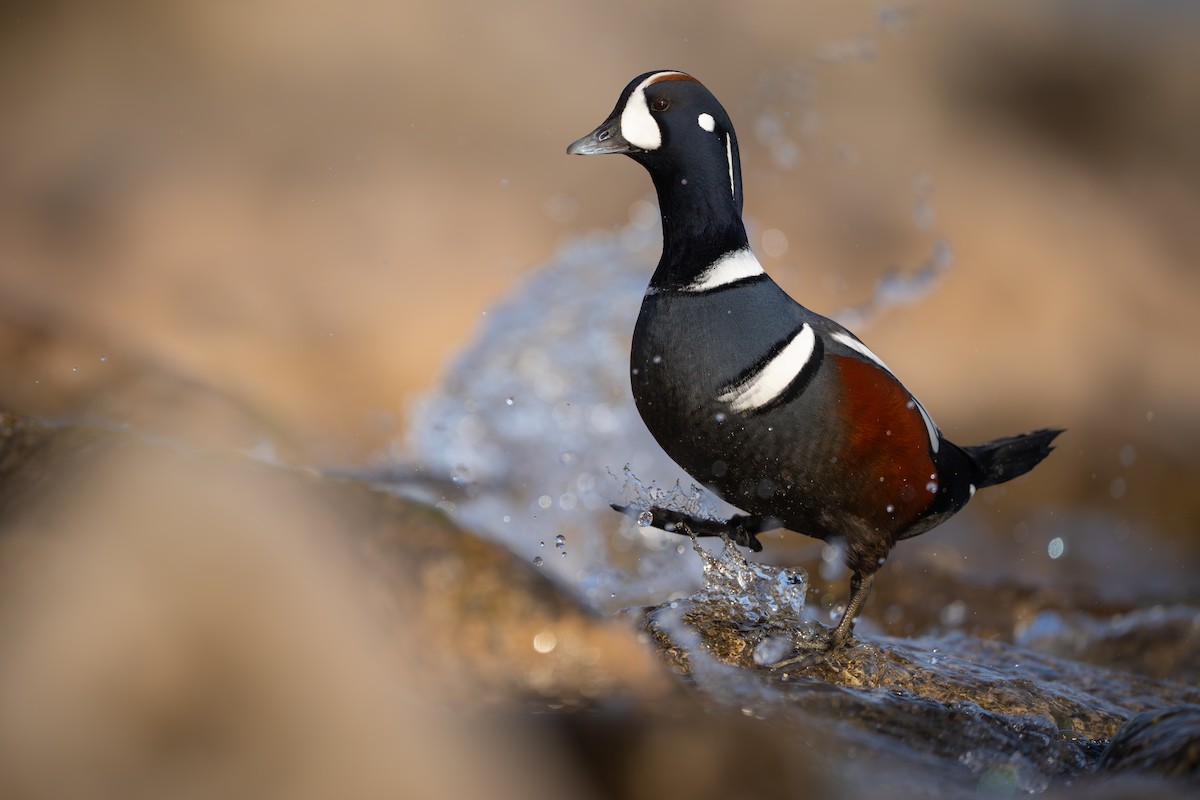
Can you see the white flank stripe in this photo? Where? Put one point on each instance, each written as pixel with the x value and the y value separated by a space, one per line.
pixel 729 158
pixel 726 269
pixel 775 376
pixel 637 126
pixel 859 347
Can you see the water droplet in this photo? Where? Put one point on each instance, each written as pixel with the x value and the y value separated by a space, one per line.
pixel 1056 547
pixel 953 614
pixel 506 518
pixel 545 641
pixel 104 360
pixel 931 487
pixel 462 476
pixel 545 501
pixel 890 508
pixel 772 650
pixel 719 417
pixel 508 401
pixel 560 540
pixel 645 519
pixel 656 360
pixel 774 242
pixel 538 560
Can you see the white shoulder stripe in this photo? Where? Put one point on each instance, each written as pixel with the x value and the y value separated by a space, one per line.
pixel 862 349
pixel 728 268
pixel 769 382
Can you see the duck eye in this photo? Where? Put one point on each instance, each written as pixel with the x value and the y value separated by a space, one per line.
pixel 660 104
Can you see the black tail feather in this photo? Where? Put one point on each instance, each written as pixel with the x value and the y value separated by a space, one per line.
pixel 1004 459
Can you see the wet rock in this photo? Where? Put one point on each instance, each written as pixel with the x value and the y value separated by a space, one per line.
pixel 1164 742
pixel 1160 641
pixel 992 715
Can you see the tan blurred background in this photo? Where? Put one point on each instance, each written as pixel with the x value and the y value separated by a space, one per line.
pixel 268 220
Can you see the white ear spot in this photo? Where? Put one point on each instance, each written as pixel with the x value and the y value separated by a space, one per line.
pixel 707 122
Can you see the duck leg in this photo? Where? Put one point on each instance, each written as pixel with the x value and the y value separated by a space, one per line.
pixel 860 587
pixel 741 529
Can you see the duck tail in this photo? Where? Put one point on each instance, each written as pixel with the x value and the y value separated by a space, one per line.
pixel 1001 460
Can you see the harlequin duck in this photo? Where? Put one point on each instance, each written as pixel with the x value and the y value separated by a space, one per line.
pixel 784 413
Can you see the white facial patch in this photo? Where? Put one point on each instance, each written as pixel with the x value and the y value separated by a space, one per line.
pixel 862 349
pixel 707 122
pixel 637 126
pixel 727 269
pixel 775 376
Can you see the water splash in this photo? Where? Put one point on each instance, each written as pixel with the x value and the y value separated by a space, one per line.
pixel 737 588
pixel 896 288
pixel 534 418
pixel 693 501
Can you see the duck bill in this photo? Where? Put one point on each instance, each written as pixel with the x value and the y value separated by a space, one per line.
pixel 605 139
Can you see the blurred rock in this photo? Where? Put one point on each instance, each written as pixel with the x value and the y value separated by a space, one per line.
pixel 1164 742
pixel 200 625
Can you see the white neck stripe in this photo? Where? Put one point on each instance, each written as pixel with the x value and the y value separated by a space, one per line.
pixel 728 268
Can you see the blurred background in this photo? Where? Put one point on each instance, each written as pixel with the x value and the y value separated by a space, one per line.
pixel 272 227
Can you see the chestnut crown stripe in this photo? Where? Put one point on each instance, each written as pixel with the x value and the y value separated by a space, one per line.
pixel 668 75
